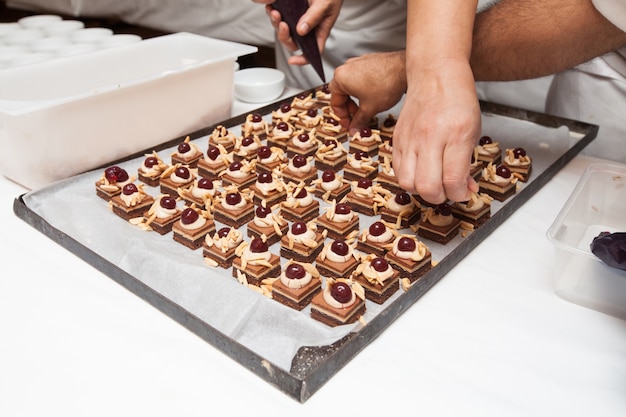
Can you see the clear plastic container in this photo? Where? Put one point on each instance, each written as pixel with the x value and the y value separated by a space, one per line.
pixel 597 204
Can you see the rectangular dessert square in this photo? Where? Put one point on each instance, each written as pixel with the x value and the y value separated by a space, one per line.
pixel 408 268
pixel 192 238
pixel 377 290
pixel 120 208
pixel 335 316
pixel 297 285
pixel 300 252
pixel 255 274
pixel 233 218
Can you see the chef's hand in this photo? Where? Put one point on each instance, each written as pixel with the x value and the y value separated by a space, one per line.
pixel 377 81
pixel 321 16
pixel 436 133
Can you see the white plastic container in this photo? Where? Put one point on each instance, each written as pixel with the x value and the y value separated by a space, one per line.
pixel 597 204
pixel 69 115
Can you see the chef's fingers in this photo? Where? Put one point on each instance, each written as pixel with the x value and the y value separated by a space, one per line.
pixel 404 164
pixel 456 180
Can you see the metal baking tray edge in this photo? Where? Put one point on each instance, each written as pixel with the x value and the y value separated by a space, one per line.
pixel 322 361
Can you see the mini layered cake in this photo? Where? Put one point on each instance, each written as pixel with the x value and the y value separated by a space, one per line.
pixel 269 188
pixel 518 162
pixel 488 151
pixel 280 135
pixel 402 209
pixel 379 280
pixel 240 174
pixel 302 143
pixel 331 128
pixel 330 156
pixel 331 186
pixel 297 285
pixel 303 242
pixel 300 204
pixel 132 202
pixel 163 213
pixel 201 193
pixel 150 170
pixel 222 136
pixel 367 140
pixel 438 224
pixel 219 249
pixel 269 159
pixel 342 301
pixel 387 177
pixel 387 127
pixel 215 160
pixel 498 182
pixel 366 197
pixel 475 212
pixel 175 178
pixel 385 150
pixel 255 125
pixel 410 257
pixel 377 239
pixel 254 263
pixel 233 208
pixel 303 102
pixel 267 224
pixel 187 153
pixel 360 165
pixel 339 220
pixel 309 120
pixel 285 113
pixel 246 147
pixel 322 96
pixel 111 182
pixel 192 227
pixel 337 260
pixel 299 169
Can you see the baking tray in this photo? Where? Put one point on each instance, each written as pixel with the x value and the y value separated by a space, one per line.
pixel 314 364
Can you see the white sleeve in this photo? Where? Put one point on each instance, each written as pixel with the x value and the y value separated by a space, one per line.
pixel 613 10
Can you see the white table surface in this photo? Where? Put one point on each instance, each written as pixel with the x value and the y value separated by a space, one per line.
pixel 490 339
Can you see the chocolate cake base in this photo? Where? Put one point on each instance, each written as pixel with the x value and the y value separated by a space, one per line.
pixel 439 234
pixel 127 213
pixel 475 219
pixel 379 293
pixel 255 274
pixel 190 162
pixel 363 205
pixel 523 173
pixel 163 226
pixel 498 192
pixel 336 195
pixel 328 268
pixel 304 214
pixel 210 171
pixel 338 230
pixel 223 259
pixel 372 248
pixel 352 174
pixel 297 177
pixel 300 252
pixel 270 233
pixel 296 298
pixel 405 221
pixel 331 316
pixel 240 183
pixel 193 239
pixel 233 218
pixel 271 199
pixel 149 181
pixel 408 268
pixel 170 187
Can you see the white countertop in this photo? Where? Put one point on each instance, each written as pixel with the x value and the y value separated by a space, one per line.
pixel 490 339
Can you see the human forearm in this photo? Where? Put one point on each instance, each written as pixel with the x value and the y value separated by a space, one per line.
pixel 520 39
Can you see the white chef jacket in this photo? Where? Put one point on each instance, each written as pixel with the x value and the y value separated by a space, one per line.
pixel 595 92
pixel 363 26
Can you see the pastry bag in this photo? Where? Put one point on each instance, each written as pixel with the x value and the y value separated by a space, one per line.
pixel 291 11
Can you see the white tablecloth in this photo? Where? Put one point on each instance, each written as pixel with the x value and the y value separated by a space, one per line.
pixel 490 339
